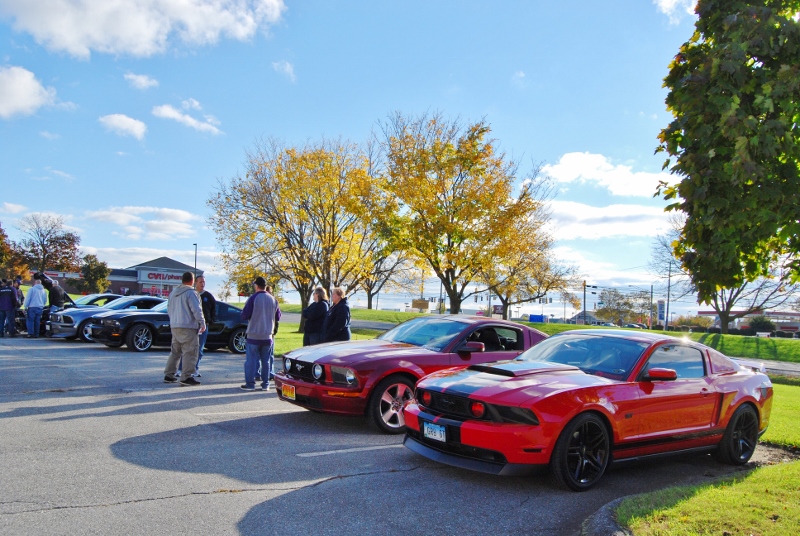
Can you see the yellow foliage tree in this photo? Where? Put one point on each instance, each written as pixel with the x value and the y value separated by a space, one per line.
pixel 457 210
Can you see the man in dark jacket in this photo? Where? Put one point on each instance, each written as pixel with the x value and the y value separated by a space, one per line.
pixel 209 304
pixel 315 317
pixel 56 296
pixel 8 304
pixel 337 322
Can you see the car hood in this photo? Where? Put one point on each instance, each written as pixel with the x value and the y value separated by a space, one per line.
pixel 511 382
pixel 116 315
pixel 352 352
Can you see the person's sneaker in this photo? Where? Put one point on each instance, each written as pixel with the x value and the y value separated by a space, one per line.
pixel 196 375
pixel 260 388
pixel 190 381
pixel 245 387
pixel 170 379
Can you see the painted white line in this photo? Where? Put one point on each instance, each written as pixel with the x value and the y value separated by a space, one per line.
pixel 240 412
pixel 345 451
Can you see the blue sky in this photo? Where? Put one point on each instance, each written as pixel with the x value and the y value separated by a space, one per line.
pixel 122 115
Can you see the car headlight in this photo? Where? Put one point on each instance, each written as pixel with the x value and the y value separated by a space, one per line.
pixel 55 318
pixel 344 375
pixel 317 371
pixel 110 322
pixel 287 364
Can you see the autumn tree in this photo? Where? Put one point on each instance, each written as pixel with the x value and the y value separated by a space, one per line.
pixel 455 192
pixel 47 245
pixel 616 306
pixel 734 92
pixel 94 276
pixel 300 212
pixel 12 259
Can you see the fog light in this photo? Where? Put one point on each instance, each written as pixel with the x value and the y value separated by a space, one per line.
pixel 477 409
pixel 426 398
pixel 317 371
pixel 350 376
pixel 287 364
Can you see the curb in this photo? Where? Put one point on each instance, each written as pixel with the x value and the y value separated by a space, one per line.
pixel 603 522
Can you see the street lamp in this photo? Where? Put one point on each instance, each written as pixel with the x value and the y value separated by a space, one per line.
pixel 195 260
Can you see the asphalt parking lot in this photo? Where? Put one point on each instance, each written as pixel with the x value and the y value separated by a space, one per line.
pixel 93 442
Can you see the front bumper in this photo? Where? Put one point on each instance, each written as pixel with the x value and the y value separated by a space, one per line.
pixel 327 398
pixel 104 334
pixel 489 447
pixel 61 329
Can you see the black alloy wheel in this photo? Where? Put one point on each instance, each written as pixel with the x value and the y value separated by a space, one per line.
pixel 741 437
pixel 387 402
pixel 582 453
pixel 139 338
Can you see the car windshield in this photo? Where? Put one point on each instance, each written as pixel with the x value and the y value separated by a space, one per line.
pixel 83 300
pixel 612 357
pixel 431 333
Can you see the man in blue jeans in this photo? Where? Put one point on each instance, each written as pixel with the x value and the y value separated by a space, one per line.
pixel 34 304
pixel 8 304
pixel 259 311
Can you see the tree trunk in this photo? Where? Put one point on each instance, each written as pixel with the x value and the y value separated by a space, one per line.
pixel 724 319
pixel 455 301
pixel 369 300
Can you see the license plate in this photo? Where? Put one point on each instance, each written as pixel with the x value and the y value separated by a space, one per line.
pixel 287 391
pixel 434 431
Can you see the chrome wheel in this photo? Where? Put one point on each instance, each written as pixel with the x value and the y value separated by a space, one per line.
pixel 85 331
pixel 389 399
pixel 238 341
pixel 140 338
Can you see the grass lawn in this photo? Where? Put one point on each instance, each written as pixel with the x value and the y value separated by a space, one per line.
pixel 765 501
pixel 288 338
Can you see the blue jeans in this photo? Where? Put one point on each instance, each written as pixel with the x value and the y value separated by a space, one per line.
pixel 257 355
pixel 33 320
pixel 203 338
pixel 3 316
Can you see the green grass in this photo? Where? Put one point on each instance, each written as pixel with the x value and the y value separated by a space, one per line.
pixel 289 339
pixel 372 315
pixel 765 501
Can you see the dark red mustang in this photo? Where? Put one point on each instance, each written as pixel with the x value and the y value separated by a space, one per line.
pixel 581 399
pixel 377 376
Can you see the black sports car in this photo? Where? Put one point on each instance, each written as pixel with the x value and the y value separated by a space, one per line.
pixel 73 322
pixel 141 330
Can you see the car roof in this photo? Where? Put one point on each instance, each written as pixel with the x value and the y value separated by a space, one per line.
pixel 643 336
pixel 474 319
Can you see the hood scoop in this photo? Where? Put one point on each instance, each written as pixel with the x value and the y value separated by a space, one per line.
pixel 513 369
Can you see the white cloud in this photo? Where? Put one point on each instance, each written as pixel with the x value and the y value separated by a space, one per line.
pixel 12 208
pixel 675 9
pixel 573 220
pixel 596 168
pixel 151 223
pixel 62 174
pixel 21 93
pixel 518 79
pixel 191 104
pixel 141 81
pixel 137 27
pixel 49 135
pixel 123 125
pixel 170 112
pixel 285 68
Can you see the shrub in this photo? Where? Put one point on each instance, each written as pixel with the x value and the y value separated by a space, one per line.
pixel 748 331
pixel 761 323
pixel 714 330
pixel 734 331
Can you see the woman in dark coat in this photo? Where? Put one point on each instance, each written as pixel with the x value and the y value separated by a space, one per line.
pixel 315 317
pixel 337 322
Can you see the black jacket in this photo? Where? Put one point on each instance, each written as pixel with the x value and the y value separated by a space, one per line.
pixel 315 316
pixel 209 304
pixel 337 323
pixel 56 296
pixel 8 300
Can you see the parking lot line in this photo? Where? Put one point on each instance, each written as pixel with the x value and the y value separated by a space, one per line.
pixel 345 451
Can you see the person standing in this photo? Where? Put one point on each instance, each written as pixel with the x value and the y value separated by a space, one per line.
pixel 186 324
pixel 56 297
pixel 260 312
pixel 20 299
pixel 34 305
pixel 209 306
pixel 337 322
pixel 8 305
pixel 315 317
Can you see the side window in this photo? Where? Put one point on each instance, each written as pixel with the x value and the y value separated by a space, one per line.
pixel 511 339
pixel 686 361
pixel 222 310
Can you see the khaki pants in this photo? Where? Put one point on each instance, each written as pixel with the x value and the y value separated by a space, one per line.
pixel 185 345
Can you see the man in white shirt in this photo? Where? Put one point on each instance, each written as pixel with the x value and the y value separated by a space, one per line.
pixel 34 304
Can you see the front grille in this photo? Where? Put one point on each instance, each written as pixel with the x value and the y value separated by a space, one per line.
pixel 459 449
pixel 452 406
pixel 302 370
pixel 307 401
pixel 458 408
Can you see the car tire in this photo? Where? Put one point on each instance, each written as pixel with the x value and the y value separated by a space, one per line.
pixel 139 338
pixel 741 437
pixel 237 340
pixel 582 453
pixel 85 331
pixel 386 403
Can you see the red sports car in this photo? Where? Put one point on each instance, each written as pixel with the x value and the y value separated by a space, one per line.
pixel 580 399
pixel 377 376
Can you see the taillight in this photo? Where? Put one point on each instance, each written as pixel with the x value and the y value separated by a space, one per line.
pixel 477 409
pixel 426 398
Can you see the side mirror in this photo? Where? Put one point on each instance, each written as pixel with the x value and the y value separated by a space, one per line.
pixel 660 374
pixel 471 346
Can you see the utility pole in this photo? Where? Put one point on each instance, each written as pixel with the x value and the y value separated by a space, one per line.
pixel 584 301
pixel 195 260
pixel 651 306
pixel 669 284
